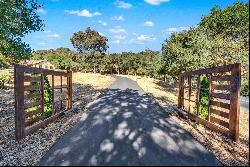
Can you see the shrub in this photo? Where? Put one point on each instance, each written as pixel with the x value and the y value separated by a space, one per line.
pixel 5 77
pixel 47 97
pixel 204 93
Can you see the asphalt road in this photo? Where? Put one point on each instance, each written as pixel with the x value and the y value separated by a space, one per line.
pixel 244 103
pixel 125 126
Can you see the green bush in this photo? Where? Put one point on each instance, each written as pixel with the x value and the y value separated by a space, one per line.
pixel 47 97
pixel 245 90
pixel 5 77
pixel 204 93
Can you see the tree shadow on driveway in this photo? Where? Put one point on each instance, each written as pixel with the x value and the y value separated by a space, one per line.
pixel 127 127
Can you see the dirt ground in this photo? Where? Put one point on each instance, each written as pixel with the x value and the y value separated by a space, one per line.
pixel 227 151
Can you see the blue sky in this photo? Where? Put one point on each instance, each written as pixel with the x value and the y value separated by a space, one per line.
pixel 129 25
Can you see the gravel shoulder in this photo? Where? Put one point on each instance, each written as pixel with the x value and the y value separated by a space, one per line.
pixel 228 152
pixel 30 150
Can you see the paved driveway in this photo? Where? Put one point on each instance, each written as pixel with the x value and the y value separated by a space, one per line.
pixel 125 126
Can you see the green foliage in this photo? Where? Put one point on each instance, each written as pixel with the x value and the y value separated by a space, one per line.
pixel 47 97
pixel 5 78
pixel 89 41
pixel 233 21
pixel 17 19
pixel 221 38
pixel 204 93
pixel 141 63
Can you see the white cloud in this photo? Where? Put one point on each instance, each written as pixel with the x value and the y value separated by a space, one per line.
pixel 54 36
pixel 84 13
pixel 141 39
pixel 117 30
pixel 120 37
pixel 122 4
pixel 149 23
pixel 156 2
pixel 172 29
pixel 42 11
pixel 183 28
pixel 117 18
pixel 102 23
pixel 176 29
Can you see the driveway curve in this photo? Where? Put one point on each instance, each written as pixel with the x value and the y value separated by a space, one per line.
pixel 125 126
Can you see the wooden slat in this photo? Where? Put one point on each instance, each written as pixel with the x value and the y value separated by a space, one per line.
pixel 32 79
pixel 32 121
pixel 219 113
pixel 221 96
pixel 222 78
pixel 189 100
pixel 221 87
pixel 41 123
pixel 60 87
pixel 32 87
pixel 37 111
pixel 220 122
pixel 32 104
pixel 34 95
pixel 41 71
pixel 209 70
pixel 208 124
pixel 220 104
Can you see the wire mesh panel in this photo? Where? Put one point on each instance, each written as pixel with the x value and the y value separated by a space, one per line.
pixel 36 92
pixel 211 97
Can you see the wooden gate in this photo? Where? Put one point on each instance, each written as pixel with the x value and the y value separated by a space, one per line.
pixel 30 104
pixel 223 107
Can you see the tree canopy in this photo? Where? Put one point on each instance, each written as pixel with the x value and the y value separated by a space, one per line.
pixel 17 19
pixel 89 41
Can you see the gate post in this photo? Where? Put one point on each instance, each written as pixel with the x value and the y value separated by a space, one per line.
pixel 235 102
pixel 69 90
pixel 181 91
pixel 19 102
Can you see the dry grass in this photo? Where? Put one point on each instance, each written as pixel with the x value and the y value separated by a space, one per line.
pixel 228 152
pixel 98 81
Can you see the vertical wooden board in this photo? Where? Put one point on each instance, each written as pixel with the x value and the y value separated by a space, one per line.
pixel 198 94
pixel 71 90
pixel 235 102
pixel 181 93
pixel 209 95
pixel 189 92
pixel 19 102
pixel 61 94
pixel 42 91
pixel 53 94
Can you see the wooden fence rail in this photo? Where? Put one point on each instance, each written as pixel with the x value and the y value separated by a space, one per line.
pixel 27 120
pixel 223 108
